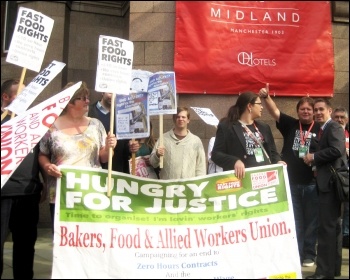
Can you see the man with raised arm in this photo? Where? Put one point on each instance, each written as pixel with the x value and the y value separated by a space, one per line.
pixel 299 135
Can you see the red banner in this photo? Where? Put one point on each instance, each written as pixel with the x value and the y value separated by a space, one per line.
pixel 227 47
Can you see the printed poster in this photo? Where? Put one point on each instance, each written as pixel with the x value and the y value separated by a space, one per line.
pixel 132 117
pixel 161 88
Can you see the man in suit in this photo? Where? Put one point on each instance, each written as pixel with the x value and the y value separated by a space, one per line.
pixel 331 151
pixel 341 116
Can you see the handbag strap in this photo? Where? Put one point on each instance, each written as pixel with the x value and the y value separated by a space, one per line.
pixel 344 164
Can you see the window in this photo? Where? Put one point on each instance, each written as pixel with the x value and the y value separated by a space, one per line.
pixel 8 23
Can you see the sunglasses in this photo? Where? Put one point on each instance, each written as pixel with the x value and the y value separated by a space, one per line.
pixel 82 98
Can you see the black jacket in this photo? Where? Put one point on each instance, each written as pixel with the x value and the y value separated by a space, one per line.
pixel 230 145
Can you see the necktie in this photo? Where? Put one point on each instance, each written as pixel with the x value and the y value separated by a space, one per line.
pixel 320 133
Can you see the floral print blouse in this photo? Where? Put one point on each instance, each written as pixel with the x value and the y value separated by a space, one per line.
pixel 79 149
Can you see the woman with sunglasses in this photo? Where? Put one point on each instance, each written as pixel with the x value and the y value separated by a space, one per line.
pixel 74 139
pixel 242 141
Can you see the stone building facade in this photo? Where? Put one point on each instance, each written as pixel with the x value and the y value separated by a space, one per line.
pixel 151 26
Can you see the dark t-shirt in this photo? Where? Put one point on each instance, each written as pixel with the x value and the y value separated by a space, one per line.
pixel 298 171
pixel 251 145
pixel 25 179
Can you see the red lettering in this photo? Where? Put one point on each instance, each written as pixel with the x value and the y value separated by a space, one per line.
pixel 49 107
pixel 20 159
pixel 64 238
pixel 34 137
pixel 5 140
pixel 23 151
pixel 7 151
pixel 34 121
pixel 5 164
pixel 62 100
pixel 48 122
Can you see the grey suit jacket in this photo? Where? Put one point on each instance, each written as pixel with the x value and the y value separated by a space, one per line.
pixel 331 151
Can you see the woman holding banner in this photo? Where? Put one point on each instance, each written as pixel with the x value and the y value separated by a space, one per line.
pixel 241 141
pixel 74 139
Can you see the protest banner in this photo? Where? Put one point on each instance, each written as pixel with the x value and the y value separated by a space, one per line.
pixel 235 45
pixel 30 39
pixel 26 97
pixel 213 226
pixel 22 133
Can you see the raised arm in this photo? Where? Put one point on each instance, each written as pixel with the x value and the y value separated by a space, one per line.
pixel 269 103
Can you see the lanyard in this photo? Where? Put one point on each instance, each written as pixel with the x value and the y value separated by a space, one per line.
pixel 251 135
pixel 302 138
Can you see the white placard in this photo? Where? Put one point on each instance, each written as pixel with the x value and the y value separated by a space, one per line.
pixel 30 39
pixel 114 65
pixel 206 115
pixel 36 86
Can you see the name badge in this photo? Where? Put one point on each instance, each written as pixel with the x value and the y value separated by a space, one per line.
pixel 302 151
pixel 259 156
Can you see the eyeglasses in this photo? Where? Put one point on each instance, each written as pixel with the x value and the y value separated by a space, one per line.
pixel 82 98
pixel 258 103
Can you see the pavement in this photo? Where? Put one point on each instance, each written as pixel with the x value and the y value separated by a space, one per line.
pixel 43 258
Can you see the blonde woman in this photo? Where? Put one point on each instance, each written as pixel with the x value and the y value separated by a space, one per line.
pixel 74 139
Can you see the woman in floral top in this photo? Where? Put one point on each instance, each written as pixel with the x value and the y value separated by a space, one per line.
pixel 73 139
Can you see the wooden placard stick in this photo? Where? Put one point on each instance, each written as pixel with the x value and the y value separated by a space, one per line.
pixel 110 154
pixel 161 139
pixel 133 160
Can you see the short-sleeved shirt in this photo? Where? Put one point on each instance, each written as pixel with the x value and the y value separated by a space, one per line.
pixel 79 149
pixel 298 171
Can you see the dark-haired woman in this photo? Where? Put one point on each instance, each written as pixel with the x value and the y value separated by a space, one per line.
pixel 241 140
